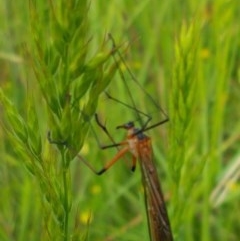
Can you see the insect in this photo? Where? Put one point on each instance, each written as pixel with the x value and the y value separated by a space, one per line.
pixel 140 147
pixel 138 144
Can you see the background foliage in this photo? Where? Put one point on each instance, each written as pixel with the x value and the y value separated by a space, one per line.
pixel 55 61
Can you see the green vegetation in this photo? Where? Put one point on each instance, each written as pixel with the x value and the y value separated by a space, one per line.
pixel 56 60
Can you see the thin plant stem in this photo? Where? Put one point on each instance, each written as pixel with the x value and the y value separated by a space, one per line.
pixel 66 195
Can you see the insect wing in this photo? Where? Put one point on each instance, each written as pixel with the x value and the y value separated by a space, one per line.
pixel 158 221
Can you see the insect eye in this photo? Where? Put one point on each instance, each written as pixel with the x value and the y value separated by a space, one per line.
pixel 130 124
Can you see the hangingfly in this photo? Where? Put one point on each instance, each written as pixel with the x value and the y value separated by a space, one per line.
pixel 139 145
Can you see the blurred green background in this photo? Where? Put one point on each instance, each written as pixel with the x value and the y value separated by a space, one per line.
pixel 186 55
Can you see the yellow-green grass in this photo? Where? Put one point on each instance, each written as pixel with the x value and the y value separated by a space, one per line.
pixel 186 55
